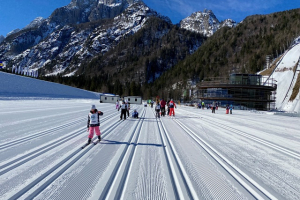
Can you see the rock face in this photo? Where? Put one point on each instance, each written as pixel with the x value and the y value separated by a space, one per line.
pixel 205 23
pixel 62 42
pixel 1 38
pixel 81 11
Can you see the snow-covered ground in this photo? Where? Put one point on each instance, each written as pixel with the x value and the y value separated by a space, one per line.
pixel 196 155
pixel 19 87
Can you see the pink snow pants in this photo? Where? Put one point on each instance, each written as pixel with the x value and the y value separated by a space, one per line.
pixel 92 129
pixel 117 106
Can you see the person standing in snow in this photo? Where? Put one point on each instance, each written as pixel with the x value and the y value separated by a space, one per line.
pixel 157 109
pixel 213 107
pixel 93 123
pixel 128 108
pixel 203 105
pixel 168 104
pixel 230 108
pixel 117 105
pixel 163 107
pixel 123 108
pixel 172 105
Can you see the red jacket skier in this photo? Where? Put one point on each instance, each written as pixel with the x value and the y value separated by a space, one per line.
pixel 172 105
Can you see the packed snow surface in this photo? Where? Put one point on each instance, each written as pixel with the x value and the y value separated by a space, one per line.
pixel 195 155
pixel 286 78
pixel 18 87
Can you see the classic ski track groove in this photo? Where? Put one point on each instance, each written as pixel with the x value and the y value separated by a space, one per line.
pixel 71 159
pixel 25 158
pixel 41 133
pixel 106 193
pixel 254 138
pixel 171 166
pixel 247 182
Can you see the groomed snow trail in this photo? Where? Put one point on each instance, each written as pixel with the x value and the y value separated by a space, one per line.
pixel 196 155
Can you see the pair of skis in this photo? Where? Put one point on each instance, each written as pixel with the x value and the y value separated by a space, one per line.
pixel 90 143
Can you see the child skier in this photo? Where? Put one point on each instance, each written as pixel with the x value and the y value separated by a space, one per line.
pixel 230 108
pixel 117 105
pixel 135 114
pixel 123 108
pixel 172 105
pixel 163 107
pixel 93 123
pixel 157 109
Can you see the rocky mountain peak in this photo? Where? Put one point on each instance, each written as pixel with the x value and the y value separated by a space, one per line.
pixel 35 23
pixel 81 11
pixel 1 38
pixel 204 22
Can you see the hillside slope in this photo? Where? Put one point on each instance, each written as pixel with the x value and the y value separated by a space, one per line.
pixel 19 87
pixel 242 49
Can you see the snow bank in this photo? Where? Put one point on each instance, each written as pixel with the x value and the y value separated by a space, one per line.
pixel 19 87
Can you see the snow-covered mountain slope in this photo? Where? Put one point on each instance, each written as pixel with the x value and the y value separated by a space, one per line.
pixel 19 87
pixel 286 75
pixel 205 22
pixel 57 47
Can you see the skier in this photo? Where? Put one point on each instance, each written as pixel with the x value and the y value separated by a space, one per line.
pixel 135 114
pixel 117 105
pixel 152 102
pixel 172 106
pixel 163 107
pixel 168 104
pixel 227 109
pixel 213 107
pixel 123 108
pixel 230 108
pixel 157 109
pixel 203 105
pixel 93 123
pixel 128 108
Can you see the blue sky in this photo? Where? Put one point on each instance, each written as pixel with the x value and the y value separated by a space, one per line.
pixel 18 13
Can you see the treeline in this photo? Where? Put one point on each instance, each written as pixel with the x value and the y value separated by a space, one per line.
pixel 242 49
pixel 99 83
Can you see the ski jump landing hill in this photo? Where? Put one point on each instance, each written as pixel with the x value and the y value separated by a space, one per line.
pixel 19 87
pixel 286 74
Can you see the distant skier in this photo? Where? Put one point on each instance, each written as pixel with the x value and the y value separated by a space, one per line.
pixel 128 108
pixel 230 108
pixel 172 106
pixel 117 105
pixel 163 107
pixel 123 108
pixel 213 107
pixel 157 109
pixel 135 114
pixel 203 105
pixel 227 109
pixel 93 123
pixel 168 104
pixel 152 102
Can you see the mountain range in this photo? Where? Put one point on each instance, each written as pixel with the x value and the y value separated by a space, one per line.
pixel 86 30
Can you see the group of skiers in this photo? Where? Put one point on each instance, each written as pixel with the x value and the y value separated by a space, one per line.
pixel 214 106
pixel 93 122
pixel 160 108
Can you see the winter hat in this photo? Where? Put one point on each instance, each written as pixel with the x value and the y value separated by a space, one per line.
pixel 93 107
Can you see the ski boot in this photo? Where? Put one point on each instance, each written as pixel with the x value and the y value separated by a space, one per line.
pixel 99 138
